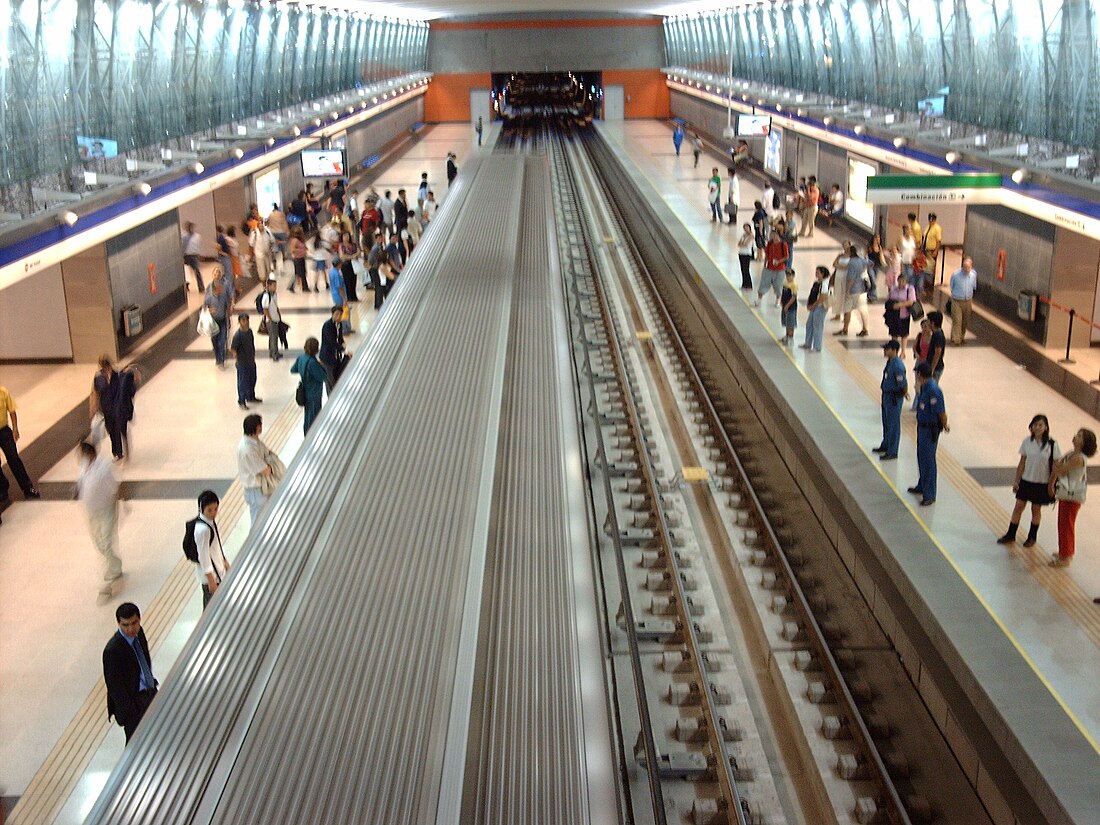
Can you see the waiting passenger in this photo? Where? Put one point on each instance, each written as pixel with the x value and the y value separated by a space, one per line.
pixel 312 375
pixel 775 266
pixel 746 254
pixel 1038 452
pixel 243 348
pixel 254 467
pixel 428 210
pixel 816 308
pixel 857 284
pixel 810 207
pixel 1069 485
pixel 789 307
pixel 895 389
pixel 128 670
pixel 298 253
pixel 332 354
pixel 213 566
pixel 931 421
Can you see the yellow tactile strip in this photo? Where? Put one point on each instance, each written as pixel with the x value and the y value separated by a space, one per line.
pixel 55 781
pixel 1077 604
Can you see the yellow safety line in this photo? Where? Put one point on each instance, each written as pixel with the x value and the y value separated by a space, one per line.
pixel 905 502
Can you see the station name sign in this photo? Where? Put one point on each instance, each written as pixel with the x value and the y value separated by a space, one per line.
pixel 958 189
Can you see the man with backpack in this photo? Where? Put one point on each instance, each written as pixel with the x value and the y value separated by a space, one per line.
pixel 202 544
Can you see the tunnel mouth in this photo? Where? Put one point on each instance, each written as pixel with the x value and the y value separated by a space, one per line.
pixel 520 96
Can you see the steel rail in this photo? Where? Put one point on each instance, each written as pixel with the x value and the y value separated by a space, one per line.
pixel 816 637
pixel 563 180
pixel 714 730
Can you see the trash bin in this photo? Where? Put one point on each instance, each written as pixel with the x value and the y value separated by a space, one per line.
pixel 131 321
pixel 1027 305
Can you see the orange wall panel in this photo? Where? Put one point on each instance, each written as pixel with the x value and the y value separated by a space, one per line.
pixel 645 93
pixel 448 95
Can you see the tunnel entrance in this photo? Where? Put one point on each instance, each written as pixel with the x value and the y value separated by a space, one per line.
pixel 526 95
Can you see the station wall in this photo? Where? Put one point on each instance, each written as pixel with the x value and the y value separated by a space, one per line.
pixel 32 318
pixel 156 243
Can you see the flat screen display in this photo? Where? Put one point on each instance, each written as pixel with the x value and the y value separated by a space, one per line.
pixel 932 106
pixel 773 151
pixel 323 163
pixel 95 148
pixel 753 125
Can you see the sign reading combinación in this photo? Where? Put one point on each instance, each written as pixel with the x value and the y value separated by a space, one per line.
pixel 962 189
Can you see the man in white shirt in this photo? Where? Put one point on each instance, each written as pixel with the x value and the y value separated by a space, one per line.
pixel 261 241
pixel 428 210
pixel 213 566
pixel 192 248
pixel 97 489
pixel 385 206
pixel 252 465
pixel 768 198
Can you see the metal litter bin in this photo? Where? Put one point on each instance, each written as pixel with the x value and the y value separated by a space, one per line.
pixel 1027 305
pixel 131 321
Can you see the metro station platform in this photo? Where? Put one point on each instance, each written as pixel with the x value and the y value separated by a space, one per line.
pixel 56 746
pixel 1047 614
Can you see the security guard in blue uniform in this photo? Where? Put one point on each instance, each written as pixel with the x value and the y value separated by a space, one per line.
pixel 895 389
pixel 931 421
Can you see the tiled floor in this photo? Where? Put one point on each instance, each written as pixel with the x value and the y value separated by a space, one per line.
pixel 184 433
pixel 990 401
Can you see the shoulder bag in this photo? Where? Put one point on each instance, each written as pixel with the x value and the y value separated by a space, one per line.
pixel 207 325
pixel 1072 486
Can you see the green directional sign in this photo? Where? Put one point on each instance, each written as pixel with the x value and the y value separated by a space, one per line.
pixel 978 187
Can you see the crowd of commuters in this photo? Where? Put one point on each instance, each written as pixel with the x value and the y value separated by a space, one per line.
pixel 1043 475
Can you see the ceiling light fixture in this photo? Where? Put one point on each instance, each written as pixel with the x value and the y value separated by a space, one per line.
pixel 69 218
pixel 143 188
pixel 828 121
pixel 297 132
pixel 952 158
pixel 859 130
pixel 238 153
pixel 1019 176
pixel 899 142
pixel 198 168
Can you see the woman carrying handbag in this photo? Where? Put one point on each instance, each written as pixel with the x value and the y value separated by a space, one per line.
pixel 1068 485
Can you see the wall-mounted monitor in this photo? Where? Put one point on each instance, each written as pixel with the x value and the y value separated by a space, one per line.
pixel 753 125
pixel 932 106
pixel 95 148
pixel 323 163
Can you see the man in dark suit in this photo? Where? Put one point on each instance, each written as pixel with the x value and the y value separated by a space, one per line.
pixel 128 671
pixel 332 354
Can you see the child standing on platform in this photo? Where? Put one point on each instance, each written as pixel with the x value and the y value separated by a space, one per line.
pixel 788 300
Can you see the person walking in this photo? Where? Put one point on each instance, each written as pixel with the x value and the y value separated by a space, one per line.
pixel 746 254
pixel 1038 452
pixel 276 329
pixel 253 466
pixel 128 671
pixel 220 304
pixel 677 138
pixel 933 240
pixel 714 195
pixel 109 399
pixel 312 375
pixel 225 257
pixel 895 390
pixel 298 253
pixel 1069 485
pixel 243 348
pixel 192 248
pixel 97 489
pixel 931 421
pixel 480 128
pixel 280 233
pixel 9 435
pixel 964 281
pixel 817 307
pixel 696 147
pixel 452 171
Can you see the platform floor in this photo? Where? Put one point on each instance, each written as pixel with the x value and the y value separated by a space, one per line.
pixel 1047 612
pixel 54 736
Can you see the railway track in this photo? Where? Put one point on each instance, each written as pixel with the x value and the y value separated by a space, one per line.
pixel 752 682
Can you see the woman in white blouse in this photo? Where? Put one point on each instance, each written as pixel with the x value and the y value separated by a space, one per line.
pixel 1038 452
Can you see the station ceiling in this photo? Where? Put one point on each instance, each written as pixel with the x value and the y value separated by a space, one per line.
pixel 468 9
